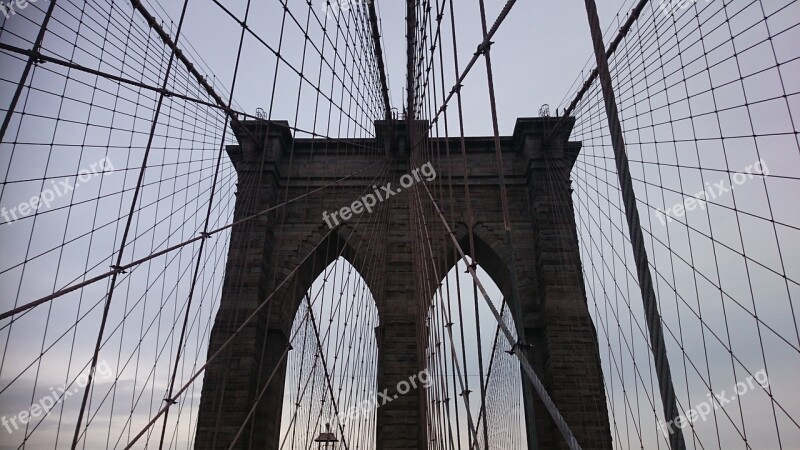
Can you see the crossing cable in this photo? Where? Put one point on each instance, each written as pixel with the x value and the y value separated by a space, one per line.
pixel 205 231
pixel 482 48
pixel 422 94
pixel 291 67
pixel 465 176
pixel 376 40
pixel 340 108
pixel 556 180
pixel 72 65
pixel 633 16
pixel 687 262
pixel 140 184
pixel 328 380
pixel 137 4
pixel 234 334
pixel 137 222
pixel 446 322
pixel 680 341
pixel 671 285
pixel 452 217
pixel 125 267
pixel 26 71
pixel 372 270
pixel 59 338
pixel 436 42
pixel 352 15
pixel 747 258
pixel 249 233
pixel 411 36
pixel 357 251
pixel 76 238
pixel 678 255
pixel 552 409
pixel 705 277
pixel 503 195
pixel 232 113
pixel 654 321
pixel 359 17
pixel 47 326
pixel 124 237
pixel 429 277
pixel 317 355
pixel 422 226
pixel 266 385
pixel 484 44
pixel 464 171
pixel 572 443
pixel 431 67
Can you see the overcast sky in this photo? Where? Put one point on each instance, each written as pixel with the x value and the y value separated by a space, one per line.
pixel 542 54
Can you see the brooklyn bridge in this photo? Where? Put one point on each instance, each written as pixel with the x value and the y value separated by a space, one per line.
pixel 369 224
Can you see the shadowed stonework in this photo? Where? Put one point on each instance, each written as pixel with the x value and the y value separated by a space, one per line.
pixel 274 246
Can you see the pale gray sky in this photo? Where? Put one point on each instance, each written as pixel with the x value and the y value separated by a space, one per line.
pixel 541 55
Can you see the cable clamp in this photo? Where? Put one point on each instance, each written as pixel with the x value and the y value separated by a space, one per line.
pixel 484 47
pixel 37 57
pixel 205 235
pixel 473 266
pixel 171 401
pixel 118 269
pixel 519 345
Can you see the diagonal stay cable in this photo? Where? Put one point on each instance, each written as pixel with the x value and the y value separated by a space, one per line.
pixel 562 425
pixel 205 230
pixel 654 320
pixel 123 268
pixel 266 302
pixel 124 240
pixel 31 60
pixel 224 346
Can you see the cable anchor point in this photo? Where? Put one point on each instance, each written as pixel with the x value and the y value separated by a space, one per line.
pixel 521 345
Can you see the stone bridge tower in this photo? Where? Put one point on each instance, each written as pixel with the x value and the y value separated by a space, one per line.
pixel 556 320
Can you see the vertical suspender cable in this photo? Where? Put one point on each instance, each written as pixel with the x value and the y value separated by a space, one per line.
pixel 652 314
pixel 376 40
pixel 32 58
pixel 123 243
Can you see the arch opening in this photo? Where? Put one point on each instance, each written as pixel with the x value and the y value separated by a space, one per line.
pixel 471 353
pixel 331 373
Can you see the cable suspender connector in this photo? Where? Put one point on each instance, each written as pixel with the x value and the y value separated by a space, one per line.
pixel 484 47
pixel 473 265
pixel 37 57
pixel 519 344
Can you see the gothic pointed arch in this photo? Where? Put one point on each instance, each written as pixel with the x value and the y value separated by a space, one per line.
pixel 323 247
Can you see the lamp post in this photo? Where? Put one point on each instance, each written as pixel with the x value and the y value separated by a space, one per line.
pixel 327 438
